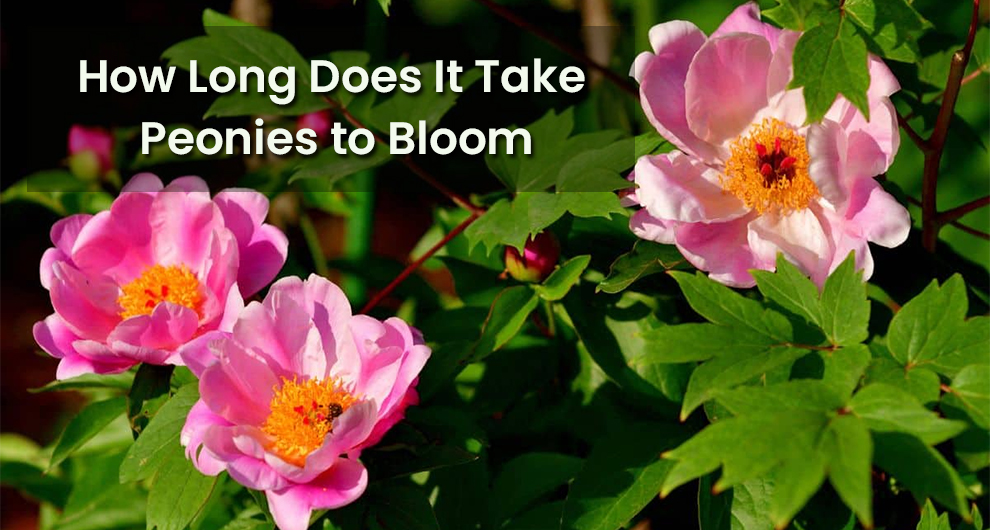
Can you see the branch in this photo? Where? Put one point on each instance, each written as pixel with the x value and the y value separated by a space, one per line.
pixel 936 144
pixel 915 137
pixel 418 170
pixel 577 55
pixel 969 230
pixel 965 81
pixel 959 211
pixel 379 296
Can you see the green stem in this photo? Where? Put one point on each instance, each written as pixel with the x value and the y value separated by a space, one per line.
pixel 551 321
pixel 313 243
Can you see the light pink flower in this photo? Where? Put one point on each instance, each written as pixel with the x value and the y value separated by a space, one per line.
pixel 292 395
pixel 750 179
pixel 162 266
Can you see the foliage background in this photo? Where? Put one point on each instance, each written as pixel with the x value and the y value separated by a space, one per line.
pixel 41 47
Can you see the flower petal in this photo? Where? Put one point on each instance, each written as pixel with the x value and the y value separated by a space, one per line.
pixel 746 19
pixel 645 226
pixel 676 187
pixel 877 215
pixel 340 485
pixel 726 86
pixel 799 235
pixel 722 250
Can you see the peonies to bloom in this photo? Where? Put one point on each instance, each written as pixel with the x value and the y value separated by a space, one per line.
pixel 292 395
pixel 749 179
pixel 162 266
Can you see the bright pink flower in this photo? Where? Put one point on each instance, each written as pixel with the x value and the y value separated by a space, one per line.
pixel 320 122
pixel 750 179
pixel 292 395
pixel 537 261
pixel 159 268
pixel 95 140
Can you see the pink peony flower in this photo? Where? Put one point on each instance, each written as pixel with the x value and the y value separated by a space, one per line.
pixel 750 179
pixel 159 268
pixel 539 258
pixel 96 141
pixel 320 122
pixel 292 395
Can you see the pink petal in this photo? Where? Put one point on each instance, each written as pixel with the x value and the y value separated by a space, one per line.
pixel 198 422
pixel 722 250
pixel 245 469
pixel 188 184
pixel 87 305
pixel 95 139
pixel 117 243
pixel 877 215
pixel 726 86
pixel 661 88
pixel 262 259
pixel 153 338
pixel 240 386
pixel 827 149
pixel 746 19
pixel 646 226
pixel 143 182
pixel 882 126
pixel 182 227
pixel 799 235
pixel 785 105
pixel 202 351
pixel 339 486
pixel 676 187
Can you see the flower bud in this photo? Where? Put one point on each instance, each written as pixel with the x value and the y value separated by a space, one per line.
pixel 90 151
pixel 537 261
pixel 319 121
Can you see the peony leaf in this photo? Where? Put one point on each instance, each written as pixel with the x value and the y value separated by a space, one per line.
pixel 179 492
pixel 158 439
pixel 84 426
pixel 560 281
pixel 645 258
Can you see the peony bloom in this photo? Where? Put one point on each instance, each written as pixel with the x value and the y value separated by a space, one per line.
pixel 537 261
pixel 289 399
pixel 750 179
pixel 159 268
pixel 90 151
pixel 320 122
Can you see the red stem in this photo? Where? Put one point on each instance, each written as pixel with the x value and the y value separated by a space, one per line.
pixel 375 300
pixel 959 211
pixel 957 224
pixel 578 56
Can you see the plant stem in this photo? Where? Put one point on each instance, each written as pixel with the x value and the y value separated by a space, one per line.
pixel 313 242
pixel 969 230
pixel 959 211
pixel 419 261
pixel 936 144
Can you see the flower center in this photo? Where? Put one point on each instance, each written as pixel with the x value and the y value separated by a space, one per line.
pixel 175 283
pixel 301 415
pixel 768 169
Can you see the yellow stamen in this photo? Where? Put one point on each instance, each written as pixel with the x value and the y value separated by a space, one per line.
pixel 302 414
pixel 175 283
pixel 768 169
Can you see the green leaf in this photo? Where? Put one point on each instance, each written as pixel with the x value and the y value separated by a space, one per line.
pixel 831 59
pixel 885 408
pixel 849 451
pixel 148 392
pixel 733 369
pixel 88 381
pixel 527 478
pixel 970 392
pixel 791 289
pixel 59 191
pixel 685 343
pixel 562 279
pixel 513 222
pixel 845 309
pixel 427 104
pixel 34 481
pixel 796 14
pixel 722 305
pixel 506 318
pixel 98 501
pixel 890 27
pixel 157 440
pixel 921 383
pixel 598 169
pixel 622 474
pixel 233 45
pixel 542 517
pixel 798 395
pixel 931 520
pixel 179 492
pixel 85 425
pixel 645 258
pixel 921 468
pixel 744 507
pixel 329 167
pixel 397 505
pixel 931 330
pixel 843 368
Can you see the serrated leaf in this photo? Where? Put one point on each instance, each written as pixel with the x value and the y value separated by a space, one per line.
pixel 506 317
pixel 645 258
pixel 843 368
pixel 831 59
pixel 98 501
pixel 744 507
pixel 791 289
pixel 970 392
pixel 885 408
pixel 799 395
pixel 598 169
pixel 85 425
pixel 890 27
pixel 845 309
pixel 153 446
pixel 527 478
pixel 921 468
pixel 931 520
pixel 796 14
pixel 722 305
pixel 621 475
pixel 849 451
pixel 562 279
pixel 179 492
pixel 685 343
pixel 921 383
